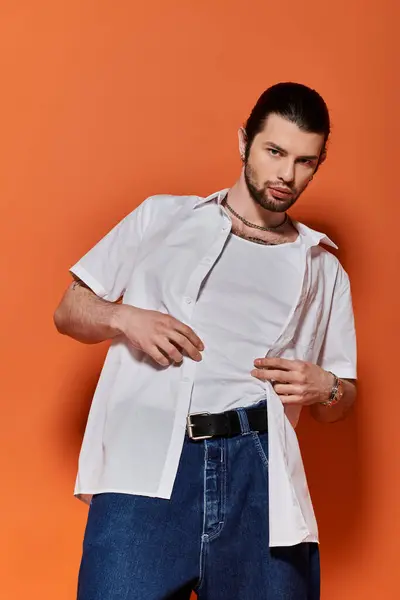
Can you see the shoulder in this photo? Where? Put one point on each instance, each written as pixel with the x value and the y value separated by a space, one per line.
pixel 162 205
pixel 168 201
pixel 159 208
pixel 332 267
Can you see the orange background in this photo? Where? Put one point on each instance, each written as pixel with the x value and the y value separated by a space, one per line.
pixel 104 103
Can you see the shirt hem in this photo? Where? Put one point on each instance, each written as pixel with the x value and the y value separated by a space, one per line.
pixel 309 539
pixel 86 497
pixel 342 373
pixel 80 495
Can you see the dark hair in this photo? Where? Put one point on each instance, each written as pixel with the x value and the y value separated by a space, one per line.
pixel 293 101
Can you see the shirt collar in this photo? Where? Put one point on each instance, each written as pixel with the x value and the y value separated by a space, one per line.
pixel 218 196
pixel 312 236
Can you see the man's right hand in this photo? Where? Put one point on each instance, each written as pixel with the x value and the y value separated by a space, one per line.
pixel 161 336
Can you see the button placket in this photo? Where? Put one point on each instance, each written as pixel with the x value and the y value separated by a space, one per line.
pixel 199 274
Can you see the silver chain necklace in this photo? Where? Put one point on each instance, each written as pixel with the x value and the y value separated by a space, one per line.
pixel 252 225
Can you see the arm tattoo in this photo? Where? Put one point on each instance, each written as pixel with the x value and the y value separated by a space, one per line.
pixel 79 283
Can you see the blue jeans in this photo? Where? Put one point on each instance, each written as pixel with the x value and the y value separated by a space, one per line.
pixel 211 536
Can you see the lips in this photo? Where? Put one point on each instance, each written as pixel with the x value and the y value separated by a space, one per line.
pixel 279 193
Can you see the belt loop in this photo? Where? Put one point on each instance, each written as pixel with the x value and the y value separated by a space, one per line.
pixel 243 420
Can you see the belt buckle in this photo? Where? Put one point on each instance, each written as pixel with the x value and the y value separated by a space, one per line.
pixel 189 427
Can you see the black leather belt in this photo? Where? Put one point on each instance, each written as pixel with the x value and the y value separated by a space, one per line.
pixel 204 426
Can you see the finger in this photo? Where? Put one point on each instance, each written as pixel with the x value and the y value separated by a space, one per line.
pixel 188 333
pixel 283 389
pixel 276 363
pixel 182 342
pixel 170 350
pixel 270 375
pixel 157 356
pixel 291 399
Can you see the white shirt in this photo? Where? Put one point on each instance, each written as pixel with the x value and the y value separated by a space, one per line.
pixel 157 258
pixel 241 308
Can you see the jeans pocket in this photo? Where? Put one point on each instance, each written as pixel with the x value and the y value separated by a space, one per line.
pixel 261 444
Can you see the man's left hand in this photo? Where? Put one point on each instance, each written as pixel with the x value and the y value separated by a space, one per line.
pixel 295 381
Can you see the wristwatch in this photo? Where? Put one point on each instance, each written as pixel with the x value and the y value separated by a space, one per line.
pixel 336 393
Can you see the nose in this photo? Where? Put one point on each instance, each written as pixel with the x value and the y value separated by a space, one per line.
pixel 286 171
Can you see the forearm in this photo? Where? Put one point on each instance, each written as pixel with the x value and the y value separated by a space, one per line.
pixel 85 317
pixel 339 411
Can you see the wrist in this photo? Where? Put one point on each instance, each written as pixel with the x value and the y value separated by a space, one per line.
pixel 335 392
pixel 330 383
pixel 118 319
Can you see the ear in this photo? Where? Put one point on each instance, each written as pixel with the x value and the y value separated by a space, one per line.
pixel 242 143
pixel 322 158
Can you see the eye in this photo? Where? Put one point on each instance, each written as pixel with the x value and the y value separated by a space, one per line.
pixel 274 152
pixel 306 161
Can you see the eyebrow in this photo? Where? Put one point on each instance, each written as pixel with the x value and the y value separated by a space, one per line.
pixel 312 157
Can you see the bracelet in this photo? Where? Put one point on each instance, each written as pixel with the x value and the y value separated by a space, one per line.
pixel 336 392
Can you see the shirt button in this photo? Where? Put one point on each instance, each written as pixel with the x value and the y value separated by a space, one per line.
pixel 226 225
pixel 185 380
pixel 188 300
pixel 207 260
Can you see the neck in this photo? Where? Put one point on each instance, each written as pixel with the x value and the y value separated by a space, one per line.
pixel 241 201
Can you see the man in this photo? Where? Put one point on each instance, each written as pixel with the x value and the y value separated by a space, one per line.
pixel 233 317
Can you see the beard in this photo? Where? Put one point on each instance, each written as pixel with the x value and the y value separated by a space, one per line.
pixel 263 196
